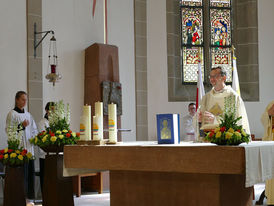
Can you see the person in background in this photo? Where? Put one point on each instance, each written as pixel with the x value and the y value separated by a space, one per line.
pixel 24 121
pixel 42 126
pixel 188 129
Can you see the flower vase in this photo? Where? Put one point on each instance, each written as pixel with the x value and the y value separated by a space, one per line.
pixel 14 191
pixel 53 149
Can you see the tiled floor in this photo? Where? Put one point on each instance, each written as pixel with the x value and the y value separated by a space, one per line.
pixel 104 199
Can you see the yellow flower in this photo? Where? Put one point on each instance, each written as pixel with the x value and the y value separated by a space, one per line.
pixel 61 136
pixel 20 157
pixel 6 156
pixel 29 155
pixel 73 134
pixel 228 135
pixel 219 134
pixel 13 155
pixel 238 134
pixel 65 131
pixel 6 150
pixel 230 130
pixel 17 152
pixel 36 139
pixel 53 138
pixel 44 138
pixel 217 130
pixel 58 132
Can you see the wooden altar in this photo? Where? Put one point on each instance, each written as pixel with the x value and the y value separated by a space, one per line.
pixel 168 174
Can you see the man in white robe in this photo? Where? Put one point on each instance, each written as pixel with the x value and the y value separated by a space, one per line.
pixel 24 121
pixel 267 121
pixel 188 129
pixel 220 99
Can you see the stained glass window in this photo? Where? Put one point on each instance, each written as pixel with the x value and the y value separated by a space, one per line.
pixel 222 57
pixel 192 2
pixel 217 51
pixel 192 39
pixel 220 3
pixel 190 61
pixel 192 26
pixel 220 27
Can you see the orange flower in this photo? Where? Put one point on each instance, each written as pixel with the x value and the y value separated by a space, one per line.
pixel 78 134
pixel 70 131
pixel 68 135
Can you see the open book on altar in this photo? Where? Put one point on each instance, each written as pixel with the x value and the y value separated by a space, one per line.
pixel 168 128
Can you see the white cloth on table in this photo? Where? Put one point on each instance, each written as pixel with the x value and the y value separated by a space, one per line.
pixel 259 162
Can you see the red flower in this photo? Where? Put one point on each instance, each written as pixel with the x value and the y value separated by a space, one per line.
pixel 68 135
pixel 24 152
pixel 41 133
pixel 2 151
pixel 1 156
pixel 211 134
pixel 10 150
pixel 222 129
pixel 238 130
pixel 78 134
pixel 52 134
pixel 70 131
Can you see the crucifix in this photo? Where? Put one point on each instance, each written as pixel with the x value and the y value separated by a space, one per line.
pixel 105 19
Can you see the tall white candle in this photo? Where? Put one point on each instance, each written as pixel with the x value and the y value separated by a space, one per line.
pixel 95 128
pixel 85 125
pixel 112 123
pixel 99 114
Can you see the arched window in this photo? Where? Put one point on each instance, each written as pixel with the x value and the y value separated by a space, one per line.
pixel 205 35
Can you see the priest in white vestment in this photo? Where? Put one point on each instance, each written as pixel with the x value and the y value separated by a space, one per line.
pixel 220 99
pixel 267 121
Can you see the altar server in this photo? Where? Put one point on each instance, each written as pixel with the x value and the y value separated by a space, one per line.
pixel 219 99
pixel 24 121
pixel 266 119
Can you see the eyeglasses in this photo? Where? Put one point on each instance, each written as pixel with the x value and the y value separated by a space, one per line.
pixel 213 76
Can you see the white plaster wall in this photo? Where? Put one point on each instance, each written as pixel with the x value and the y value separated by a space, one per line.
pixel 75 30
pixel 157 66
pixel 13 58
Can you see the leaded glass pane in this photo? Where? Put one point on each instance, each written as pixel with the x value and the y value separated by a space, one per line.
pixel 220 27
pixel 220 3
pixel 222 57
pixel 190 63
pixel 192 2
pixel 192 26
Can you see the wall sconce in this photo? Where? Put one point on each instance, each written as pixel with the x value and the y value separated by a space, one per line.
pixel 52 76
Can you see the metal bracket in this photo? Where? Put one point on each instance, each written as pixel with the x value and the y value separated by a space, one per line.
pixel 35 44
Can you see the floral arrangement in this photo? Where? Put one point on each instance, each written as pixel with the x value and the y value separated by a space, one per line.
pixel 14 155
pixel 58 133
pixel 228 132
